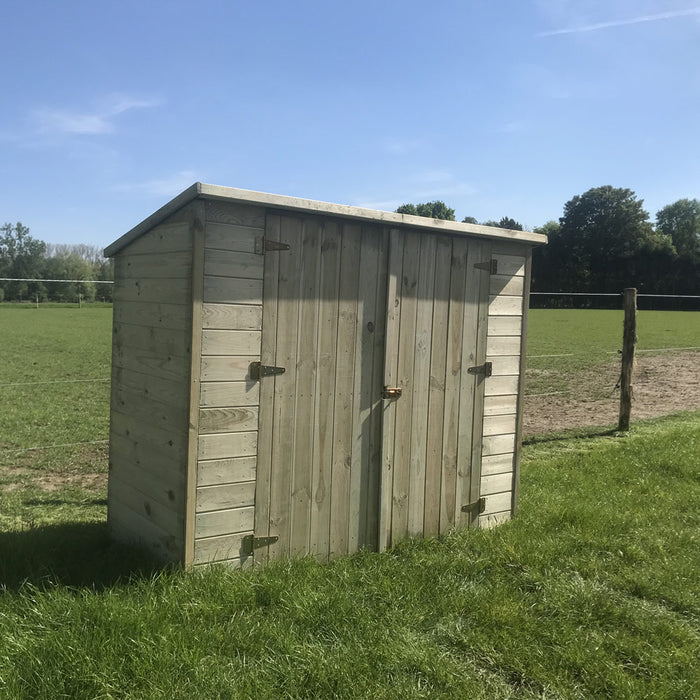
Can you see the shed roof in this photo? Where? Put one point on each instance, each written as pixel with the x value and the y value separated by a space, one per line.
pixel 310 206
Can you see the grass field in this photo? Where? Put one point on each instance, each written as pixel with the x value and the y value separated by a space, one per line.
pixel 590 592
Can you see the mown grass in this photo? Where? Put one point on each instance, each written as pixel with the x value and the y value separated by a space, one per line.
pixel 590 592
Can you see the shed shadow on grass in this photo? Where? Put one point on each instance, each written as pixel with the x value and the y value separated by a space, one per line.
pixel 75 554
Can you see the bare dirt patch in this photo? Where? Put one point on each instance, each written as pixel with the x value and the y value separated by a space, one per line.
pixel 662 384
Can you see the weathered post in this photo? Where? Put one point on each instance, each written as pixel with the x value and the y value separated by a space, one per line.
pixel 629 338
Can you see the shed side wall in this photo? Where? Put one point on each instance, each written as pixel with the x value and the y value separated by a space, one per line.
pixel 149 400
pixel 229 399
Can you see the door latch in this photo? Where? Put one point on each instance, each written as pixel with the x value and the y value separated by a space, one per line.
pixel 391 392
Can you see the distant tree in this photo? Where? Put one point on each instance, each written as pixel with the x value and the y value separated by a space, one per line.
pixel 432 210
pixel 505 222
pixel 681 221
pixel 70 266
pixel 21 256
pixel 469 220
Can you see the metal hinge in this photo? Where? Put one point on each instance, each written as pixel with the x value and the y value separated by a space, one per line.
pixel 486 369
pixel 391 392
pixel 250 543
pixel 265 245
pixel 478 506
pixel 257 371
pixel 491 266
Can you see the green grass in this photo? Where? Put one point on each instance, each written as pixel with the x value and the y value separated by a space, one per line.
pixel 590 592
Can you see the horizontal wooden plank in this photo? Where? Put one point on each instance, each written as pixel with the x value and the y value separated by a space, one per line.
pixel 128 454
pixel 150 387
pixel 172 415
pixel 498 503
pixel 500 405
pixel 227 368
pixel 501 386
pixel 165 291
pixel 226 263
pixel 226 471
pixel 498 444
pixel 506 284
pixel 497 464
pixel 506 365
pixel 158 315
pixel 225 496
pixel 225 394
pixel 241 317
pixel 505 325
pixel 153 364
pixel 163 239
pixel 227 550
pixel 509 265
pixel 505 306
pixel 228 420
pixel 499 425
pixel 224 522
pixel 166 341
pixel 497 483
pixel 232 237
pixel 234 213
pixel 223 445
pixel 486 522
pixel 232 290
pixel 154 266
pixel 503 345
pixel 172 444
pixel 215 342
pixel 167 489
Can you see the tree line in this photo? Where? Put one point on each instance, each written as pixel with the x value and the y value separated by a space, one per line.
pixel 24 257
pixel 605 241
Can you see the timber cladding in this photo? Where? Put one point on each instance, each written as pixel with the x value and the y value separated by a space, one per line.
pixel 293 378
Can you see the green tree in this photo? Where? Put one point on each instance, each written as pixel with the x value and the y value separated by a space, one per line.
pixel 70 266
pixel 469 220
pixel 21 256
pixel 681 221
pixel 432 210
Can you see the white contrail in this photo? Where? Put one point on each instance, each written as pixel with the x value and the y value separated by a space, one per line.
pixel 623 22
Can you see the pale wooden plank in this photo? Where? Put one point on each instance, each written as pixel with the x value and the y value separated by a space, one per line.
pixel 228 550
pixel 325 383
pixel 425 295
pixel 222 368
pixel 506 365
pixel 344 384
pixel 232 237
pixel 223 445
pixel 168 442
pixel 496 483
pixel 501 386
pixel 486 522
pixel 228 420
pixel 229 394
pixel 225 263
pixel 497 464
pixel 240 317
pixel 215 342
pixel 168 416
pixel 150 387
pixel 497 503
pixel 306 388
pixel 505 306
pixel 232 290
pixel 224 522
pixel 166 341
pixel 226 471
pixel 139 313
pixel 499 425
pixel 154 266
pixel 509 265
pixel 235 213
pixel 164 291
pixel 500 405
pixel 225 496
pixel 505 284
pixel 498 444
pixel 503 345
pixel 151 363
pixel 505 325
pixel 163 240
pixel 438 356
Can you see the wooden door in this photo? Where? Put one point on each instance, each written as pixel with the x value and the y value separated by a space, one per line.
pixel 436 328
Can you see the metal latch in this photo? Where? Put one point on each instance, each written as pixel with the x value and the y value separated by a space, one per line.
pixel 478 506
pixel 486 369
pixel 391 392
pixel 250 543
pixel 257 371
pixel 264 245
pixel 491 266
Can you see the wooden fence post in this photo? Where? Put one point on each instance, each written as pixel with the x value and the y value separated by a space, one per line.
pixel 629 338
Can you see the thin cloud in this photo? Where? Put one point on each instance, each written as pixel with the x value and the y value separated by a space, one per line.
pixel 622 23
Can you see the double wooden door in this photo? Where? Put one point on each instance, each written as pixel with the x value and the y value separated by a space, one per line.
pixel 356 314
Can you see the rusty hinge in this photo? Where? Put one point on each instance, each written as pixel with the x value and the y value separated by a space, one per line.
pixel 486 369
pixel 251 543
pixel 391 392
pixel 265 245
pixel 257 371
pixel 491 266
pixel 476 507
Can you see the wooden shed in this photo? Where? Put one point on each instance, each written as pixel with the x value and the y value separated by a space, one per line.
pixel 294 377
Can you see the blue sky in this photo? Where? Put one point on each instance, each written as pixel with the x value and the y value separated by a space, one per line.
pixel 499 108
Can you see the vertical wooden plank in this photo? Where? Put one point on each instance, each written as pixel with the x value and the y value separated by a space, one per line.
pixel 345 363
pixel 325 389
pixel 267 388
pixel 453 371
pixel 391 357
pixel 436 407
pixel 425 296
pixel 305 388
pixel 284 420
pixel 521 385
pixel 197 228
